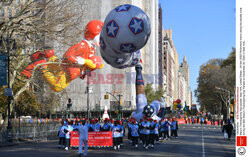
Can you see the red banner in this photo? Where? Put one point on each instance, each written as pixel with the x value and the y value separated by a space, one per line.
pixel 181 121
pixel 95 139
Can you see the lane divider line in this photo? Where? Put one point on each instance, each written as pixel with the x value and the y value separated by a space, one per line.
pixel 203 145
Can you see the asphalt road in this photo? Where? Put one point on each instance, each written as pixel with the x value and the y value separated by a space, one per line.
pixel 193 141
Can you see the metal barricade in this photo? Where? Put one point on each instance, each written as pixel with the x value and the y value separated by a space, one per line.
pixel 28 132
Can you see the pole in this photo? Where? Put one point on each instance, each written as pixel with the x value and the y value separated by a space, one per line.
pixel 228 114
pixel 8 67
pixel 88 107
pixel 119 107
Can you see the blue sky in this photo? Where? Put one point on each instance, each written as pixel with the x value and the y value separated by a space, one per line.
pixel 201 30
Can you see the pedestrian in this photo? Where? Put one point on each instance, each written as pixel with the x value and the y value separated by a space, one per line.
pixel 67 132
pixel 97 126
pixel 174 128
pixel 202 120
pixel 146 132
pixel 166 128
pixel 94 126
pixel 192 119
pixel 198 118
pixel 130 123
pixel 227 130
pixel 152 133
pixel 156 132
pixel 225 135
pixel 61 135
pixel 83 138
pixel 75 125
pixel 116 129
pixel 161 129
pixel 121 133
pixel 141 131
pixel 106 125
pixel 134 133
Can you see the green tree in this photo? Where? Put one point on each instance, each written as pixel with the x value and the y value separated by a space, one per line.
pixel 151 94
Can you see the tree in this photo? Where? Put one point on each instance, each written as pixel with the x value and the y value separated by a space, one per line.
pixel 216 80
pixel 34 26
pixel 151 94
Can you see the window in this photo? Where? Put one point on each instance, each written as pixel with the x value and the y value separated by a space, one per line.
pixel 2 12
pixel 17 1
pixel 10 13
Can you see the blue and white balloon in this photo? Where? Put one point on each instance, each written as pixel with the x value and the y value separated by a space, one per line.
pixel 126 30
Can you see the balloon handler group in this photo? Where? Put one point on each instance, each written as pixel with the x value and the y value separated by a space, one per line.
pixel 124 32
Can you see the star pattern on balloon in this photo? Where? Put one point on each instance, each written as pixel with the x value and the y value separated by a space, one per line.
pixel 112 28
pixel 121 8
pixel 120 60
pixel 136 25
pixel 127 48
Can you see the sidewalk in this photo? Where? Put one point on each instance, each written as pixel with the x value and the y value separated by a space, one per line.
pixel 49 139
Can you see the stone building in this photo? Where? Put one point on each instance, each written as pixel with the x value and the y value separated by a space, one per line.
pixel 175 78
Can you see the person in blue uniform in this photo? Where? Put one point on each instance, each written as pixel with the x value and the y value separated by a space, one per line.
pixel 67 132
pixel 146 132
pixel 134 133
pixel 166 126
pixel 61 135
pixel 83 138
pixel 129 130
pixel 152 133
pixel 174 128
pixel 105 126
pixel 116 129
pixel 156 132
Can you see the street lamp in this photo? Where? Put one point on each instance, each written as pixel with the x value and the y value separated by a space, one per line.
pixel 119 102
pixel 88 91
pixel 9 44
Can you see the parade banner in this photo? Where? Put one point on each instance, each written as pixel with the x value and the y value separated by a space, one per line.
pixel 181 121
pixel 95 139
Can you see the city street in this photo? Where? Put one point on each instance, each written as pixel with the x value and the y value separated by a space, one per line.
pixel 194 140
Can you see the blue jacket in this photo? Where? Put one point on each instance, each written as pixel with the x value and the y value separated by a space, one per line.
pixel 152 128
pixel 166 125
pixel 106 127
pixel 116 129
pixel 61 133
pixel 134 130
pixel 174 125
pixel 146 129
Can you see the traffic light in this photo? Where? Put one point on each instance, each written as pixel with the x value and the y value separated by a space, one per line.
pixel 69 100
pixel 106 96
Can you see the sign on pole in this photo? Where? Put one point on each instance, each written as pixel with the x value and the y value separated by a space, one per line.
pixel 8 92
pixel 3 70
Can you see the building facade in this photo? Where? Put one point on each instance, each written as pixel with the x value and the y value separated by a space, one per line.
pixel 175 78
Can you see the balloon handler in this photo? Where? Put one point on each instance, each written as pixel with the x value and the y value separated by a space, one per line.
pixel 156 110
pixel 76 60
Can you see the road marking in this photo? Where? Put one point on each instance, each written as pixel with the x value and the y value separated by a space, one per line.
pixel 203 145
